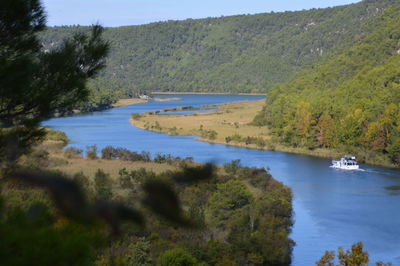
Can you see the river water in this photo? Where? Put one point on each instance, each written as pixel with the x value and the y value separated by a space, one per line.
pixel 332 207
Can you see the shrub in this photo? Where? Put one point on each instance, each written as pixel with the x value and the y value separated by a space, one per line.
pixel 260 142
pixel 109 153
pixel 236 138
pixel 136 116
pixel 232 167
pixel 176 257
pixel 72 152
pixel 56 135
pixel 103 184
pixel 91 152
pixel 125 178
pixel 82 180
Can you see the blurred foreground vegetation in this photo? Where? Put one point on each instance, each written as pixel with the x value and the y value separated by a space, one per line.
pixel 237 216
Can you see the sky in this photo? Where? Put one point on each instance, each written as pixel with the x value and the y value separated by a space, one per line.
pixel 112 13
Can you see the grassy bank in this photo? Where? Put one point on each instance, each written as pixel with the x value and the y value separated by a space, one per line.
pixel 231 125
pixel 128 101
pixel 165 99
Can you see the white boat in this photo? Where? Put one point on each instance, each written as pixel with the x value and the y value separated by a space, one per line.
pixel 346 163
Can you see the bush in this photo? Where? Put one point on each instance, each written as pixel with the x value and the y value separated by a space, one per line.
pixel 125 178
pixel 72 152
pixel 103 184
pixel 82 180
pixel 176 257
pixel 232 167
pixel 136 116
pixel 209 134
pixel 236 138
pixel 56 135
pixel 91 152
pixel 260 142
pixel 109 153
pixel 38 158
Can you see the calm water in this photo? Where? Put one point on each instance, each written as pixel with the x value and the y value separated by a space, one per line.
pixel 332 207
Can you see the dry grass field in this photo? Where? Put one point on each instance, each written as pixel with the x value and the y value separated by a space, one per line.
pixel 230 119
pixel 129 101
pixel 90 166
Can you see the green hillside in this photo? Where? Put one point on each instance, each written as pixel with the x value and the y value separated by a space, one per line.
pixel 349 101
pixel 245 53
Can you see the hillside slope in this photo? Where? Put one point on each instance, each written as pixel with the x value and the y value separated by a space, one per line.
pixel 231 54
pixel 348 101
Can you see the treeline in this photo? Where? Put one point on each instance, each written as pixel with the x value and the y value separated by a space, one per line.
pixel 350 101
pixel 245 53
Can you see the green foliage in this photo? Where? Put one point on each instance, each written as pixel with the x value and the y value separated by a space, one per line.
pixel 233 54
pixel 56 136
pixel 139 253
pixel 209 134
pixel 82 181
pixel 176 257
pixel 103 185
pixel 136 116
pixel 227 200
pixel 91 152
pixel 32 238
pixel 232 167
pixel 354 256
pixel 349 100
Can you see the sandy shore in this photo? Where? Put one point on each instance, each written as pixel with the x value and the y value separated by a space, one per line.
pixel 167 99
pixel 129 101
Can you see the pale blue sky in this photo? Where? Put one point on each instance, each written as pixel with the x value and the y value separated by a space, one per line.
pixel 134 12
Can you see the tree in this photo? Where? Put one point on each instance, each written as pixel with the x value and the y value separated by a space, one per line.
pixel 35 83
pixel 354 256
pixel 227 200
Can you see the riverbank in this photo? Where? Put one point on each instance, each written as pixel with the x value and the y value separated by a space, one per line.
pixel 164 99
pixel 230 125
pixel 128 101
pixel 206 93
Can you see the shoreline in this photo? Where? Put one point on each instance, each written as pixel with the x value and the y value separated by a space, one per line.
pixel 212 93
pixel 271 146
pixel 128 101
pixel 131 101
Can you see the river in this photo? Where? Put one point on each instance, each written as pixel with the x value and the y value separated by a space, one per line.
pixel 332 207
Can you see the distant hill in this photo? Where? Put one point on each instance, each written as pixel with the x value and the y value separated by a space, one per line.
pixel 245 53
pixel 349 100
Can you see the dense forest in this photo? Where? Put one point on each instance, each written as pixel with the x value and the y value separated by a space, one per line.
pixel 347 101
pixel 244 53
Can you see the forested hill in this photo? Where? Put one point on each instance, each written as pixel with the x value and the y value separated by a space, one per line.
pixel 233 54
pixel 349 101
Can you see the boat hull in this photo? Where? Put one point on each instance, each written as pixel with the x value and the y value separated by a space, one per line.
pixel 346 167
